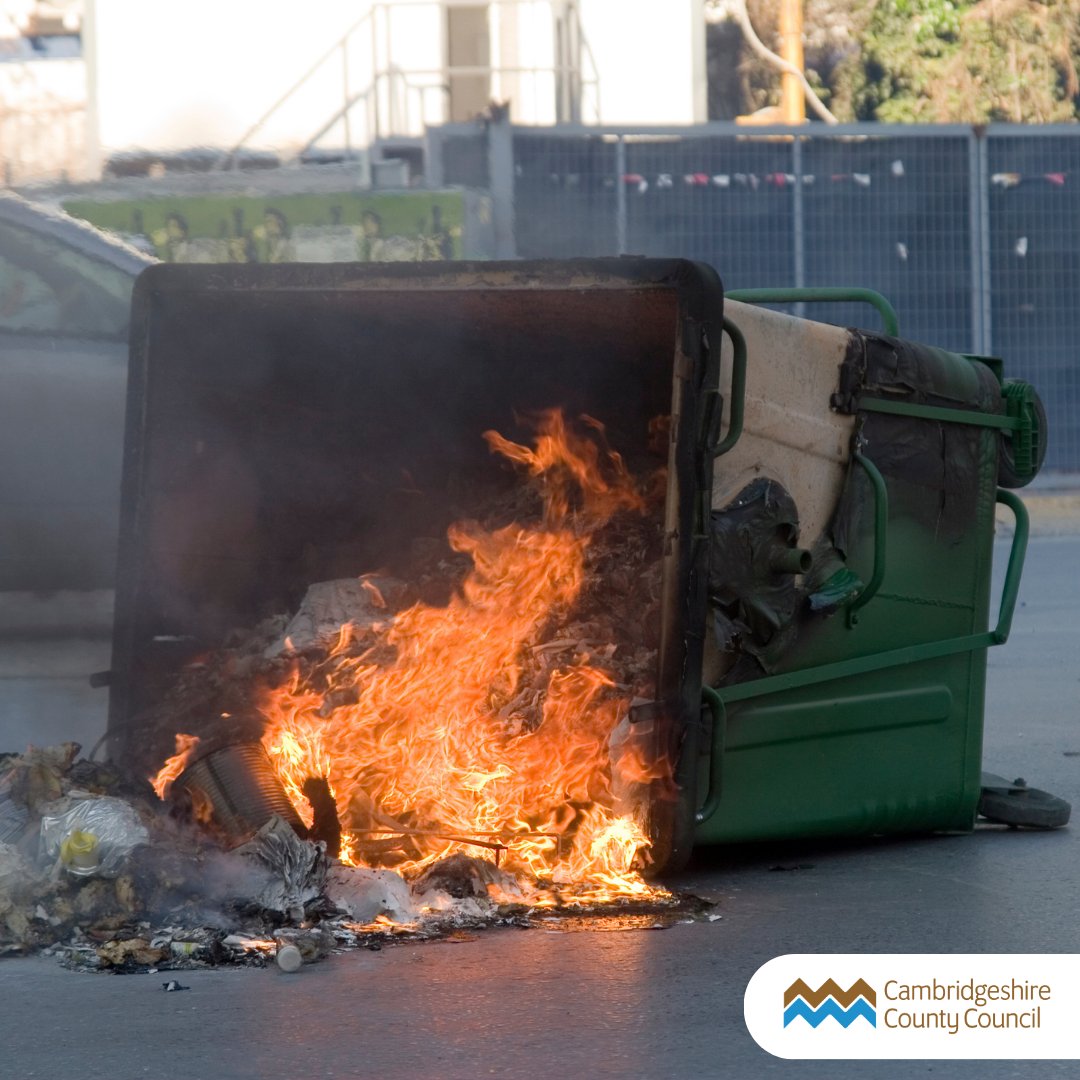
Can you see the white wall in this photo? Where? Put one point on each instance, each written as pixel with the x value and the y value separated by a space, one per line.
pixel 408 38
pixel 171 74
pixel 651 59
pixel 523 38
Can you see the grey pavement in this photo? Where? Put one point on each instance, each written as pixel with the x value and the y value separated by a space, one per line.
pixel 628 1004
pixel 1052 480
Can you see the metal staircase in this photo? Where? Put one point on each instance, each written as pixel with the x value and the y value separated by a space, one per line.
pixel 399 95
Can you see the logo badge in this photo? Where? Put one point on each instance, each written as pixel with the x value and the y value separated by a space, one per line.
pixel 829 999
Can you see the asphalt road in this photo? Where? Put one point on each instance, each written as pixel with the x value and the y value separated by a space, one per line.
pixel 629 1004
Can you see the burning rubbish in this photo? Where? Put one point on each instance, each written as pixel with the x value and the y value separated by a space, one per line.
pixel 379 766
pixel 393 675
pixel 164 895
pixel 402 731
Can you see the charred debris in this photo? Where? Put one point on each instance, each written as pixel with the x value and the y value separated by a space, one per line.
pixel 212 864
pixel 97 871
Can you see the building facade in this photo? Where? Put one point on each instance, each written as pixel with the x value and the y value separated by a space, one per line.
pixel 325 74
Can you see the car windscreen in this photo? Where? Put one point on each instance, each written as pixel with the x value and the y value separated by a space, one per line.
pixel 48 287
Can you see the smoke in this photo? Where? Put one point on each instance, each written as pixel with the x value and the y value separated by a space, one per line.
pixel 50 645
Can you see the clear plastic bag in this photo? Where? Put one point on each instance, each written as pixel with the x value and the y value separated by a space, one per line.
pixel 94 837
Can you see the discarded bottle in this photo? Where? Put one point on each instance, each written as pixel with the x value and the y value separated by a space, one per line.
pixel 193 950
pixel 79 852
pixel 289 958
pixel 309 947
pixel 95 836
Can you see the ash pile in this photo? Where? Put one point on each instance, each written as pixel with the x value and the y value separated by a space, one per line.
pixel 99 872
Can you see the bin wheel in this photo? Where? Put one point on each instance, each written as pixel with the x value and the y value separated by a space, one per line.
pixel 1016 804
pixel 1009 475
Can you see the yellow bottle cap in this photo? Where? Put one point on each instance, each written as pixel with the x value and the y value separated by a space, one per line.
pixel 79 849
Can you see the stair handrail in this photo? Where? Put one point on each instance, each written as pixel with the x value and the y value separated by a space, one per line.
pixel 228 159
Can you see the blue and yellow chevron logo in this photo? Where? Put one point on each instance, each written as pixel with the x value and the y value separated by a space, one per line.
pixel 844 1006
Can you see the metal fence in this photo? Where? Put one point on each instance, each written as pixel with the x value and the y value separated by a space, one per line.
pixel 973 234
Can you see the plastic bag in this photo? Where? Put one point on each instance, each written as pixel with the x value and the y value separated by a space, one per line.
pixel 94 837
pixel 15 873
pixel 13 820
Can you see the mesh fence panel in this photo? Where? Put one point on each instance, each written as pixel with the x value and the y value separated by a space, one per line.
pixel 888 213
pixel 464 160
pixel 1034 215
pixel 893 215
pixel 974 238
pixel 717 200
pixel 564 196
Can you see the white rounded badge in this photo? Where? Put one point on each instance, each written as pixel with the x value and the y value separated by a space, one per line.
pixel 905 1005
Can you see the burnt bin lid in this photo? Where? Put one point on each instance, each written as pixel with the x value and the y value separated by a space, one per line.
pixel 279 414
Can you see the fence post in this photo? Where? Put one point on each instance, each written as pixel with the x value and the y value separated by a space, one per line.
pixel 434 141
pixel 500 149
pixel 979 228
pixel 798 224
pixel 984 242
pixel 620 197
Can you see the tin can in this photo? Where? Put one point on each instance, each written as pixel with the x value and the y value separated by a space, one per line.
pixel 239 787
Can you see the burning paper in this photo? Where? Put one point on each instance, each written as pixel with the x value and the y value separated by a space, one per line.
pixel 481 725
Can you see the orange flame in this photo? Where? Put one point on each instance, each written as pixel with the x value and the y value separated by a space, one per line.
pixel 174 766
pixel 569 462
pixel 436 749
pixel 297 755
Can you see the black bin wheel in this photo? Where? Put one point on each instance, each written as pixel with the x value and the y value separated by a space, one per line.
pixel 1018 805
pixel 1009 475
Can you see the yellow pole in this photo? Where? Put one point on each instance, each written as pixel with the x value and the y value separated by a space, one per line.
pixel 792 99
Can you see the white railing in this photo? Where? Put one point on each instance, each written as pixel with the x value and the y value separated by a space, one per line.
pixel 401 96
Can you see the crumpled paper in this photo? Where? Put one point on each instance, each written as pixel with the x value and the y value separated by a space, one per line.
pixel 330 605
pixel 364 894
pixel 36 777
pixel 297 867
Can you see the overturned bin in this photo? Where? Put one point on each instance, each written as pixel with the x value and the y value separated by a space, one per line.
pixel 811 657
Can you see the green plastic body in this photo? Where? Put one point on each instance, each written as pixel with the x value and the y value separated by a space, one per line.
pixel 874 723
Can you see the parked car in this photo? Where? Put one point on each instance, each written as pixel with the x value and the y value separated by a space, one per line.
pixel 65 298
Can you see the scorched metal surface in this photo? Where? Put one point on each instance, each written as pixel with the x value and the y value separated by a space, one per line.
pixel 276 415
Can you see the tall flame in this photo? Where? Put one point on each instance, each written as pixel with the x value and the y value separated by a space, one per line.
pixel 433 746
pixel 174 766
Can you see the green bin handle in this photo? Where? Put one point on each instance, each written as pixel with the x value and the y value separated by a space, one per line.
pixel 881 528
pixel 715 704
pixel 738 389
pixel 1010 590
pixel 804 295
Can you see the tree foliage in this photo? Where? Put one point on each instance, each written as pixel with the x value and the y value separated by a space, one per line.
pixel 928 61
pixel 740 82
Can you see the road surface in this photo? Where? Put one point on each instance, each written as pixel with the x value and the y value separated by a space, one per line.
pixel 630 1004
